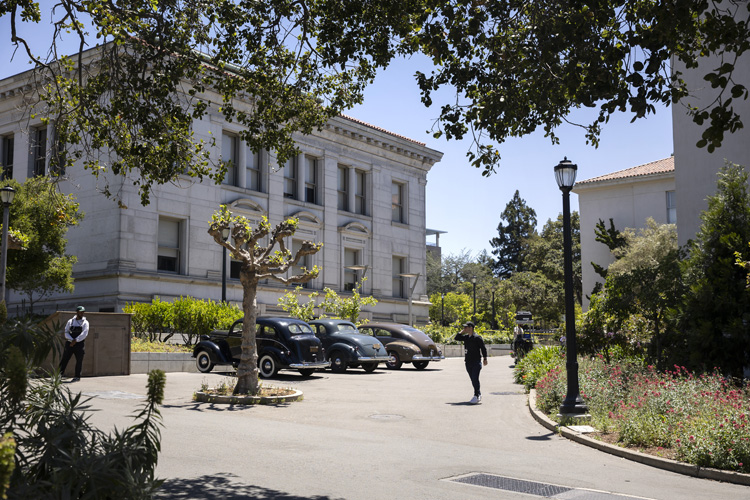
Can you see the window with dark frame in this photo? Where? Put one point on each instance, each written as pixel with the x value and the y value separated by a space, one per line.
pixel 168 256
pixel 229 155
pixel 304 262
pixel 253 174
pixel 342 188
pixel 397 202
pixel 311 180
pixel 7 158
pixel 39 152
pixel 671 207
pixel 351 276
pixel 399 264
pixel 360 190
pixel 290 179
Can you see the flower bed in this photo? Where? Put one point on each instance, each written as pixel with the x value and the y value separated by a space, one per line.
pixel 702 420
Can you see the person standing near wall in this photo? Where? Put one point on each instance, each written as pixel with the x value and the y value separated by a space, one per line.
pixel 76 331
pixel 475 355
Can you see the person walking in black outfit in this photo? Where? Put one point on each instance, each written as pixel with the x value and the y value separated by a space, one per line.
pixel 475 355
pixel 76 331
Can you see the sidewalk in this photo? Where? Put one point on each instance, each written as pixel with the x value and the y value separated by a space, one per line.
pixel 390 434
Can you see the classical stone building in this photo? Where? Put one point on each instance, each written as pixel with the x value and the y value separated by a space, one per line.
pixel 358 189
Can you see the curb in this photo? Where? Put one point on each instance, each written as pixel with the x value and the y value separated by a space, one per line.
pixel 248 400
pixel 637 456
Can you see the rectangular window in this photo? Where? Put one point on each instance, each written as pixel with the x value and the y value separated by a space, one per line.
pixel 671 207
pixel 168 257
pixel 235 266
pixel 351 276
pixel 253 171
pixel 290 179
pixel 399 264
pixel 397 202
pixel 343 188
pixel 311 180
pixel 7 158
pixel 39 152
pixel 304 262
pixel 360 197
pixel 229 155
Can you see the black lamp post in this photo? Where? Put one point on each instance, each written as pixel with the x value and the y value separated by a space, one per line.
pixel 6 196
pixel 474 286
pixel 565 175
pixel 224 234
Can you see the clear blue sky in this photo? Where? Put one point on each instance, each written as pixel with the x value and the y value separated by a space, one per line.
pixel 460 200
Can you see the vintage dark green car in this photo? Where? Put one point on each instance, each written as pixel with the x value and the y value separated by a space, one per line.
pixel 405 344
pixel 283 344
pixel 346 347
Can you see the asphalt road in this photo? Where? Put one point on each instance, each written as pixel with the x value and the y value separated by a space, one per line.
pixel 403 434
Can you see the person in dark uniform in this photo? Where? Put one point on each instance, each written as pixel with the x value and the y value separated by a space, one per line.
pixel 475 355
pixel 76 331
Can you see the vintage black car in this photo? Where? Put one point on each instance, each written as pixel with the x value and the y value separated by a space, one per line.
pixel 283 343
pixel 346 347
pixel 405 344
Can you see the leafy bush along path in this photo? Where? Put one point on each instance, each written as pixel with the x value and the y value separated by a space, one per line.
pixel 702 419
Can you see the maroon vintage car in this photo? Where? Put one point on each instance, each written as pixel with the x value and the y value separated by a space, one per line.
pixel 405 344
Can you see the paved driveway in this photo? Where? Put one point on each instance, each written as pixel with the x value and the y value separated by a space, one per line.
pixel 404 434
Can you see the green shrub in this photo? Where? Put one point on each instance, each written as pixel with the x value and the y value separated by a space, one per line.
pixel 536 364
pixel 189 317
pixel 7 451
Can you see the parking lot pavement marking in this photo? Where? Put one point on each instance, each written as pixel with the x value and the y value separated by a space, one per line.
pixel 113 395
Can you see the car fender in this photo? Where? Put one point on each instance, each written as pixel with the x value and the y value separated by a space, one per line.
pixel 346 349
pixel 404 349
pixel 277 352
pixel 217 356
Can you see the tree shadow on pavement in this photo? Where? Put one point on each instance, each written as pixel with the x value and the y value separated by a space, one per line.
pixel 543 437
pixel 222 487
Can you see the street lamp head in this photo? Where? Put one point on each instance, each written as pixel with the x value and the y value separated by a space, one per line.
pixel 474 280
pixel 565 174
pixel 225 233
pixel 7 194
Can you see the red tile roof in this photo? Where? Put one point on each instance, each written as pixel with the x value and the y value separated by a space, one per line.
pixel 655 167
pixel 355 120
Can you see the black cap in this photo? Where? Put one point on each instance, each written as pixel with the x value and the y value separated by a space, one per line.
pixel 80 309
pixel 469 323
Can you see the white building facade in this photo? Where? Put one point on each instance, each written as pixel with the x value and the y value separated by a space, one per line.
pixel 628 197
pixel 358 189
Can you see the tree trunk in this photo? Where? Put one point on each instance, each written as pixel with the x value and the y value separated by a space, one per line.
pixel 247 371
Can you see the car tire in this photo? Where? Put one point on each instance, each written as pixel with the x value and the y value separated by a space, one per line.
pixel 420 365
pixel 203 362
pixel 369 367
pixel 267 366
pixel 394 363
pixel 306 372
pixel 338 362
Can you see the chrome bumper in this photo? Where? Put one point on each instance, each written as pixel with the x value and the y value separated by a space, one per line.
pixel 419 357
pixel 373 358
pixel 314 365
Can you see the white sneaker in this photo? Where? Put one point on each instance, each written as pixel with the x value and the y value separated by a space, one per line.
pixel 474 400
pixel 479 399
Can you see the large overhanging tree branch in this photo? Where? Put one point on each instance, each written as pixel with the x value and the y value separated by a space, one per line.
pixel 276 67
pixel 518 65
pixel 259 261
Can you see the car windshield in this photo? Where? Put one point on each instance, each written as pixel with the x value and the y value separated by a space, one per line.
pixel 300 329
pixel 347 329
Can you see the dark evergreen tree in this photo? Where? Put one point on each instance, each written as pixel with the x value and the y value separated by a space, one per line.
pixel 511 245
pixel 715 314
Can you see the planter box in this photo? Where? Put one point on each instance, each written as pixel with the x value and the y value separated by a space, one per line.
pixel 144 362
pixel 457 350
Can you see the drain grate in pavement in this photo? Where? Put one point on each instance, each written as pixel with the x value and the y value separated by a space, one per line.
pixel 511 484
pixel 539 489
